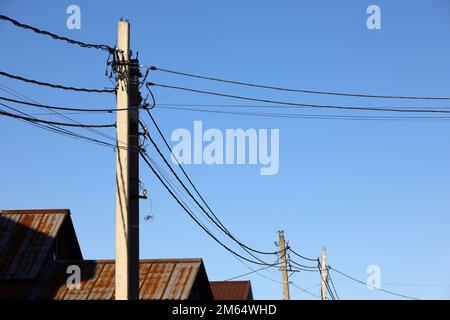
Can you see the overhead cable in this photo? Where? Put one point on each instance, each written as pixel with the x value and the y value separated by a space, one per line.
pixel 38 105
pixel 57 37
pixel 56 86
pixel 304 105
pixel 144 157
pixel 310 116
pixel 64 124
pixel 374 287
pixel 358 95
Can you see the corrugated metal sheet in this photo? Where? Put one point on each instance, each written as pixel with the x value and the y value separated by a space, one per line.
pixel 26 237
pixel 232 290
pixel 159 279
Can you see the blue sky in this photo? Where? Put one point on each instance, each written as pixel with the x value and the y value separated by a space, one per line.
pixel 372 192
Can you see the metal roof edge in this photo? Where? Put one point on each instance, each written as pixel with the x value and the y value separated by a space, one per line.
pixel 35 211
pixel 177 260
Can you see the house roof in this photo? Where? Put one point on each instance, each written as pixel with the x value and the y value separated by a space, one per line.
pixel 171 279
pixel 28 237
pixel 232 290
pixel 38 246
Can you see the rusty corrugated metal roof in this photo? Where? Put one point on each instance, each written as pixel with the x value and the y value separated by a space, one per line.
pixel 232 290
pixel 159 280
pixel 26 237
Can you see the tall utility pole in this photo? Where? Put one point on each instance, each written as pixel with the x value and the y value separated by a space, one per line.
pixel 324 274
pixel 284 273
pixel 127 169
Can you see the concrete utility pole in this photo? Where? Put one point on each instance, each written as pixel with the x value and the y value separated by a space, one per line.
pixel 127 170
pixel 284 273
pixel 324 274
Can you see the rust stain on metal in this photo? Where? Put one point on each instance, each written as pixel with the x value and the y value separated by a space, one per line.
pixel 26 239
pixel 29 254
pixel 159 279
pixel 231 290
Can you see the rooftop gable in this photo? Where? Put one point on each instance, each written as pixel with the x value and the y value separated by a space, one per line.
pixel 29 238
pixel 232 290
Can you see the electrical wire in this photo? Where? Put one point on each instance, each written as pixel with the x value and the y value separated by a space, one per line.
pixel 374 287
pixel 294 103
pixel 64 124
pixel 303 267
pixel 144 157
pixel 327 285
pixel 38 105
pixel 247 273
pixel 195 200
pixel 214 217
pixel 57 37
pixel 177 190
pixel 233 105
pixel 65 132
pixel 295 90
pixel 302 256
pixel 259 272
pixel 305 290
pixel 56 86
pixel 310 116
pixel 59 114
pixel 332 284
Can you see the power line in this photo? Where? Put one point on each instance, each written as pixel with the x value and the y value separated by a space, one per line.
pixel 59 130
pixel 56 86
pixel 305 290
pixel 170 186
pixel 57 37
pixel 177 190
pixel 303 267
pixel 259 272
pixel 294 103
pixel 64 124
pixel 255 106
pixel 219 225
pixel 310 116
pixel 194 218
pixel 332 284
pixel 62 116
pixel 327 285
pixel 248 273
pixel 302 256
pixel 214 217
pixel 38 105
pixel 374 287
pixel 296 90
pixel 65 132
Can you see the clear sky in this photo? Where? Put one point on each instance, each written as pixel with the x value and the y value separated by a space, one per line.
pixel 372 192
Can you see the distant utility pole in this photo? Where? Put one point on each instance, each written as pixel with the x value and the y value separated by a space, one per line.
pixel 324 274
pixel 127 169
pixel 284 273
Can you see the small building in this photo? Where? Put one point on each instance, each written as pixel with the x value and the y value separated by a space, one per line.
pixel 232 290
pixel 39 251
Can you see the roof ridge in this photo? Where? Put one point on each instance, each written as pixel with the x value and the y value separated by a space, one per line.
pixel 35 211
pixel 174 260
